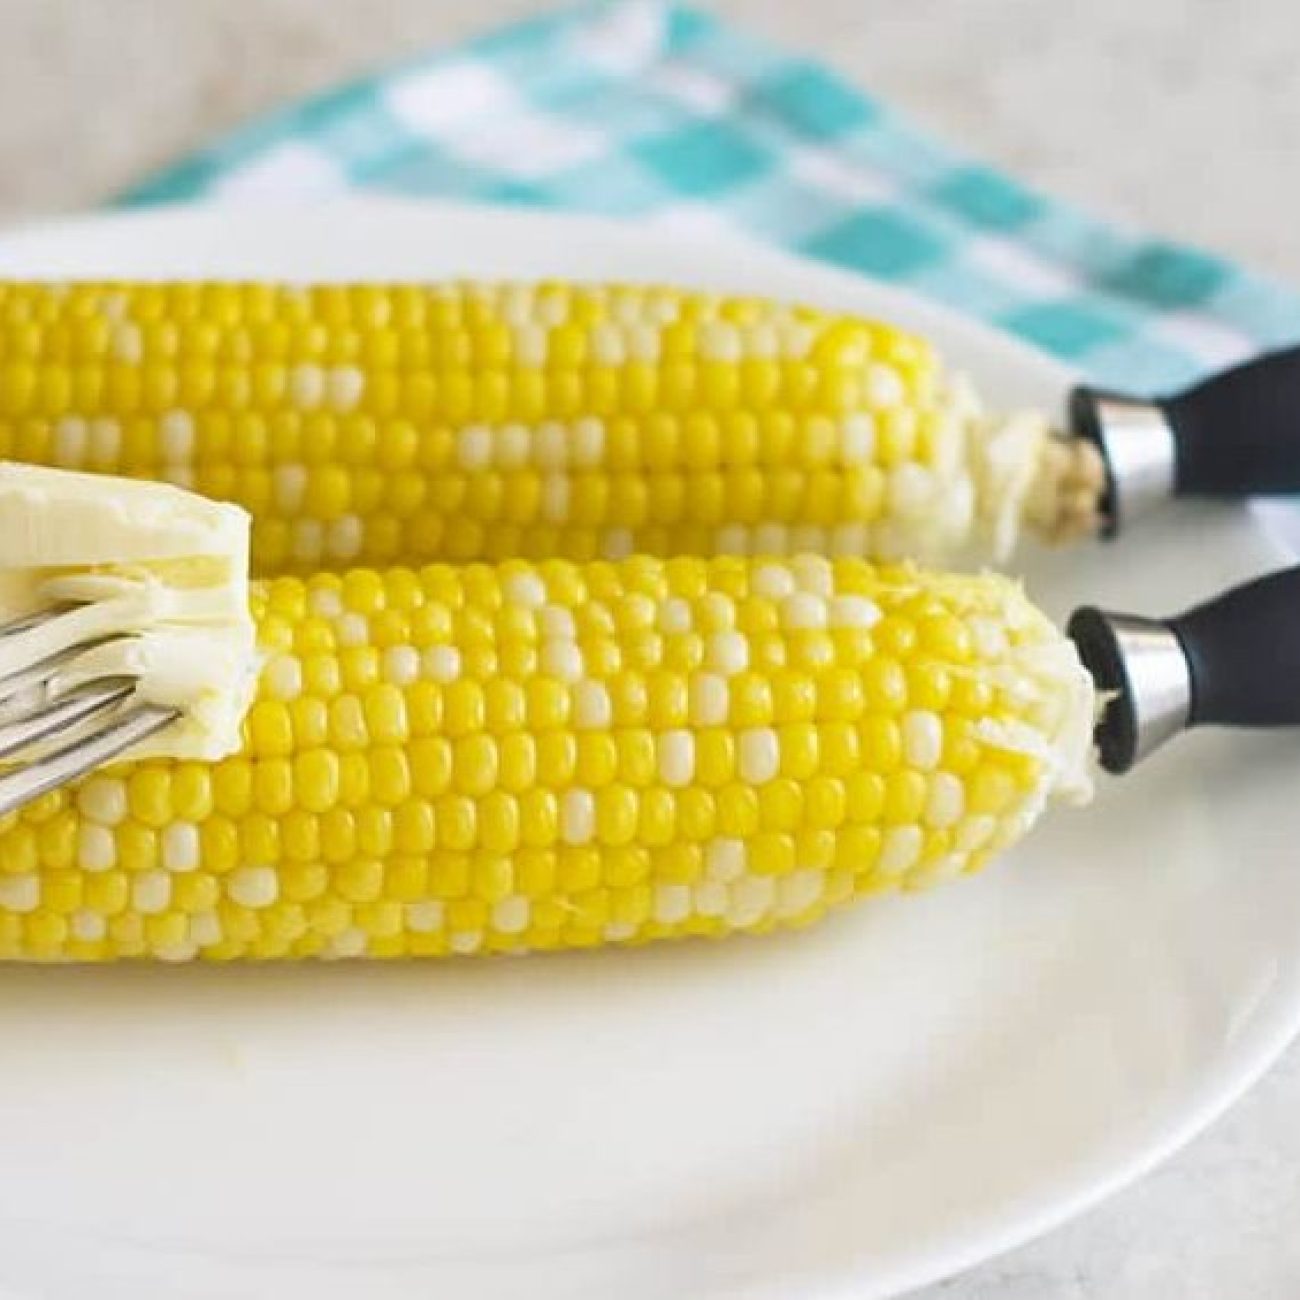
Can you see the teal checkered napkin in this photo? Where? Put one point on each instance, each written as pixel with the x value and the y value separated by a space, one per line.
pixel 651 110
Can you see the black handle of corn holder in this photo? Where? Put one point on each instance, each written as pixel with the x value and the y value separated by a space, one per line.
pixel 1243 654
pixel 1231 661
pixel 1236 434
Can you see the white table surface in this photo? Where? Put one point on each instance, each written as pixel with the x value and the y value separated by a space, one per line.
pixel 1181 115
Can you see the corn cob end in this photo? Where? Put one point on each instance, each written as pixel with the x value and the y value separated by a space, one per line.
pixel 1064 501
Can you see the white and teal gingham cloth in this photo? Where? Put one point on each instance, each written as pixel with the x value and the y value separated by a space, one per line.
pixel 647 109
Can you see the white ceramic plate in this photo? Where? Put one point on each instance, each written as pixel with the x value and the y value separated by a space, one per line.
pixel 850 1111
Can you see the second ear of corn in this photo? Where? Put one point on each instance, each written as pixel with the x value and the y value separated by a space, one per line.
pixel 376 424
pixel 541 755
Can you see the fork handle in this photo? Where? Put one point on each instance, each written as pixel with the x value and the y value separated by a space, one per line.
pixel 1235 434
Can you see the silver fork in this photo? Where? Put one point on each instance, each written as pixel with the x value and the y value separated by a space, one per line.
pixel 37 706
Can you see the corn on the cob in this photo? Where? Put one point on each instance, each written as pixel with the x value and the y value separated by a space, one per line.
pixel 538 756
pixel 374 424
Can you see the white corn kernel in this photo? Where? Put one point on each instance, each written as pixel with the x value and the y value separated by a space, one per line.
pixel 643 343
pixel 675 616
pixel 607 345
pixel 151 891
pixel 858 438
pixel 105 442
pixel 974 833
pixel 751 899
pixel 289 487
pixel 87 925
pixel 592 708
pixel 326 602
pixel 344 387
pixel 759 754
pixel 352 629
pixel 562 658
pixel 555 498
pixel 899 850
pixel 732 539
pixel 710 700
pixel 719 341
pixel 771 539
pixel 103 799
pixel 176 437
pixel 180 847
pixel 526 590
pixel 344 537
pixel 510 915
pixel 677 758
pixel 911 490
pixel 618 544
pixel 441 663
pixel 474 446
pixel 127 344
pixel 854 611
pixel 20 893
pixel 945 800
pixel 175 952
pixel 850 539
pixel 885 385
pixel 724 860
pixel 205 928
pixel 798 891
pixel 808 537
pixel 307 386
pixel 802 612
pixel 351 942
pixel 530 345
pixel 552 446
pixel 577 817
pixel 557 621
pixel 671 904
pixel 401 664
pixel 96 848
pixel 728 653
pixel 512 446
pixel 588 442
pixel 922 739
pixel 253 886
pixel 307 540
pixel 70 442
pixel 283 677
pixel 711 898
pixel 774 582
pixel 814 574
pixel 425 917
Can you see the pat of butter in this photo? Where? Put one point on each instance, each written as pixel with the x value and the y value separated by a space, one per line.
pixel 157 583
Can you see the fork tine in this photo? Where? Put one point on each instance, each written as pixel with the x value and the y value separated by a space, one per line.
pixel 28 621
pixel 22 784
pixel 64 711
pixel 43 673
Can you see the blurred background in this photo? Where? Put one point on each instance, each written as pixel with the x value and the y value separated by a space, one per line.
pixel 1180 115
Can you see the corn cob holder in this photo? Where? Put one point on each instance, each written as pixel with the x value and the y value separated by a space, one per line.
pixel 1229 662
pixel 376 424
